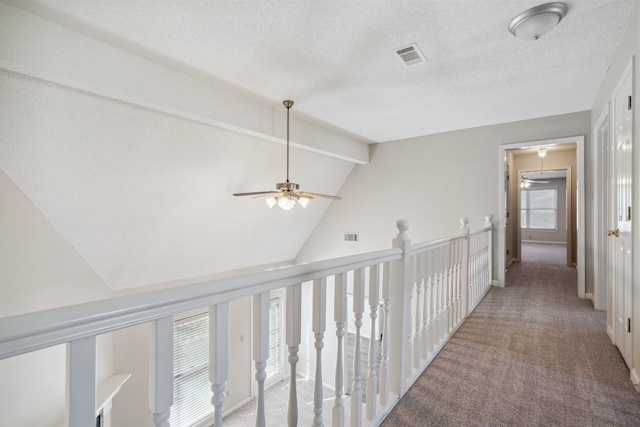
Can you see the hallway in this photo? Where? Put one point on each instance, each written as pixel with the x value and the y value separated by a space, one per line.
pixel 531 354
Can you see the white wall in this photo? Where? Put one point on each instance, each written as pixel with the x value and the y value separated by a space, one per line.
pixel 39 269
pixel 431 181
pixel 629 50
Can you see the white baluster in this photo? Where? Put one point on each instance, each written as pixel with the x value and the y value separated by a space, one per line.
pixel 488 224
pixel 218 356
pixel 425 306
pixel 464 265
pixel 80 408
pixel 418 314
pixel 372 377
pixel 435 285
pixel 319 326
pixel 293 331
pixel 340 317
pixel 384 366
pixel 161 370
pixel 358 309
pixel 450 284
pixel 409 338
pixel 261 349
pixel 458 272
pixel 441 295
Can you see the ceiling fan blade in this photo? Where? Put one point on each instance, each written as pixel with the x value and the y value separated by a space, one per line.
pixel 256 193
pixel 317 195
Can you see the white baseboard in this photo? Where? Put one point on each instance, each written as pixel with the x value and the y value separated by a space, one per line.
pixel 544 241
pixel 589 296
pixel 635 379
pixel 497 284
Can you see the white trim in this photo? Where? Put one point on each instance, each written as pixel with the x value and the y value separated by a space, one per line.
pixel 589 296
pixel 635 379
pixel 599 210
pixel 546 242
pixel 580 197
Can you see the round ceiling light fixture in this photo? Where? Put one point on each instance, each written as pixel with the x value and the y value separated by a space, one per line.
pixel 537 21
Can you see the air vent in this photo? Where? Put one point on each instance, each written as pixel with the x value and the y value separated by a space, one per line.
pixel 351 237
pixel 410 55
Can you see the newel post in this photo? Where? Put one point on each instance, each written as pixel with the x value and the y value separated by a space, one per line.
pixel 488 225
pixel 464 272
pixel 399 322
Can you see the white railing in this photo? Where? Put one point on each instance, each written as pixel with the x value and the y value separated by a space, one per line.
pixel 419 295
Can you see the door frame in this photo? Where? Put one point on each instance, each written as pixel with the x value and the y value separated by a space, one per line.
pixel 580 197
pixel 568 170
pixel 601 137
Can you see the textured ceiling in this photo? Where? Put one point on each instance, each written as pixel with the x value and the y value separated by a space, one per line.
pixel 337 59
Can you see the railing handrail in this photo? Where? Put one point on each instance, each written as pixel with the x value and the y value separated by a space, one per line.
pixel 37 330
pixel 424 246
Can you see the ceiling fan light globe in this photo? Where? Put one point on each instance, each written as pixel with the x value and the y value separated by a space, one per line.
pixel 304 201
pixel 271 201
pixel 286 202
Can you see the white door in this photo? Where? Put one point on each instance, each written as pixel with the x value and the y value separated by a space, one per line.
pixel 620 249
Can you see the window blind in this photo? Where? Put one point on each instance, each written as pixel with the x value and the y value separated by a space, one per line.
pixel 274 364
pixel 191 387
pixel 539 209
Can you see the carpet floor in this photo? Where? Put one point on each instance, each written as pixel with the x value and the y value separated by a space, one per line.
pixel 531 354
pixel 544 253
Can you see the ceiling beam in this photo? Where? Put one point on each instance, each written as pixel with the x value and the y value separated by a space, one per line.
pixel 37 47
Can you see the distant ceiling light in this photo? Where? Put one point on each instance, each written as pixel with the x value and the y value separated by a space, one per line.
pixel 542 152
pixel 410 55
pixel 537 21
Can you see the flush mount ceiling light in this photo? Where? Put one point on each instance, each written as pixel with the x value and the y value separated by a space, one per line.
pixel 286 194
pixel 537 21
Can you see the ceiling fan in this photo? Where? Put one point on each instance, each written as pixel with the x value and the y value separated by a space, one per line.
pixel 527 182
pixel 286 194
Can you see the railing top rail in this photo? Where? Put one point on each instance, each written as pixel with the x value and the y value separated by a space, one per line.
pixel 33 331
pixel 425 246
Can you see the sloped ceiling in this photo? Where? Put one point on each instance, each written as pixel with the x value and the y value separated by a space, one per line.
pixel 144 195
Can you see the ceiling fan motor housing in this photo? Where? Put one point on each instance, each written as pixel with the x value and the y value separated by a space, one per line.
pixel 287 186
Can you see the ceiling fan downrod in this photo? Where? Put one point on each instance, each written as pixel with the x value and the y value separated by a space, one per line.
pixel 288 104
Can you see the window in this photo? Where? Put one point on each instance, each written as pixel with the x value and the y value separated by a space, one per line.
pixel 275 371
pixel 539 209
pixel 191 386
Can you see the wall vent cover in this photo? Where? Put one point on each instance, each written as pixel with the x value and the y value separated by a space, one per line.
pixel 410 55
pixel 351 237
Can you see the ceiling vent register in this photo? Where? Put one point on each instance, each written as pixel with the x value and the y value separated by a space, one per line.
pixel 410 55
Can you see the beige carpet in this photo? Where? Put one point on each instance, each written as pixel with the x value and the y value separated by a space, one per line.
pixel 532 354
pixel 544 253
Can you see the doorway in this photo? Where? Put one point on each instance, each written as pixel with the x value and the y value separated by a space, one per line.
pixel 544 213
pixel 507 208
